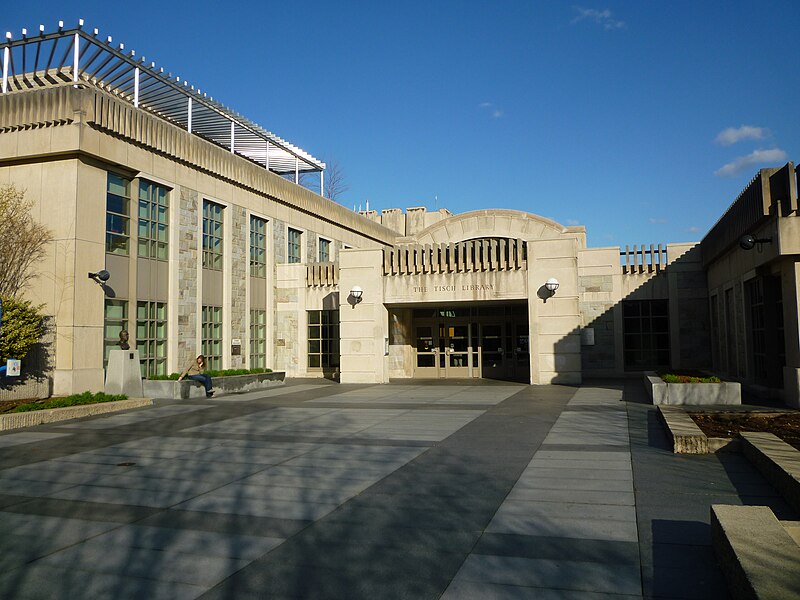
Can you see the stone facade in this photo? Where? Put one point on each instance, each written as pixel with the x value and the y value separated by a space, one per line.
pixel 188 264
pixel 240 263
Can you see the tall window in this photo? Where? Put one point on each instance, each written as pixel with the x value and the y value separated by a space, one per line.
pixel 258 339
pixel 116 319
pixel 118 201
pixel 212 336
pixel 153 220
pixel 258 247
pixel 324 250
pixel 151 337
pixel 645 334
pixel 323 339
pixel 293 249
pixel 212 235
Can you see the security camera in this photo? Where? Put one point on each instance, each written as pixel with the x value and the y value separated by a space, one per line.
pixel 101 275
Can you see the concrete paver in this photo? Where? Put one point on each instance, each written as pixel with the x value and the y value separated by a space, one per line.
pixel 410 490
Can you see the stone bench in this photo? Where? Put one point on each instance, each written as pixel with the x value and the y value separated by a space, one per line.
pixel 777 461
pixel 759 558
pixel 683 432
pixel 183 390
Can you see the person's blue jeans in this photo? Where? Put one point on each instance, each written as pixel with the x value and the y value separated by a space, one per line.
pixel 204 379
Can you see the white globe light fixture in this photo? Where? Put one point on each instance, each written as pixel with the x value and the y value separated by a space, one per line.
pixel 551 285
pixel 356 293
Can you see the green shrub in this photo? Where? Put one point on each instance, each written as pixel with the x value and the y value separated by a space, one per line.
pixel 74 400
pixel 224 373
pixel 672 378
pixel 22 328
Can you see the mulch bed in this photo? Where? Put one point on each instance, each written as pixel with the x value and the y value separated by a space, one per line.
pixel 6 406
pixel 728 425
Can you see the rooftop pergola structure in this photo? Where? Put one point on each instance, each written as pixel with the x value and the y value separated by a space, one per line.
pixel 77 56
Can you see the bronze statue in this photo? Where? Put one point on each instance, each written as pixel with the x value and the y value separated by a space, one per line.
pixel 123 340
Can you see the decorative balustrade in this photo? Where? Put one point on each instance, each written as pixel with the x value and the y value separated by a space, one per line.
pixel 322 274
pixel 643 259
pixel 493 254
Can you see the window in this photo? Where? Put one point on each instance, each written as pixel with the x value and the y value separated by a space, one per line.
pixel 258 247
pixel 323 339
pixel 151 337
pixel 116 319
pixel 153 220
pixel 645 334
pixel 324 250
pixel 212 336
pixel 212 236
pixel 117 214
pixel 258 339
pixel 293 247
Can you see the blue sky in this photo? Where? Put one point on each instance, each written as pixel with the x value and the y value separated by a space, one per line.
pixel 640 120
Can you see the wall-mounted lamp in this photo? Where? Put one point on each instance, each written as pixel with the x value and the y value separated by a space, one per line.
pixel 748 242
pixel 101 276
pixel 551 285
pixel 548 290
pixel 356 293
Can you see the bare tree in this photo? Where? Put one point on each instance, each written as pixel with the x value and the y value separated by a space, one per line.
pixel 335 181
pixel 22 240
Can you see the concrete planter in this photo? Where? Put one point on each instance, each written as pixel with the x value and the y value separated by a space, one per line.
pixel 182 390
pixel 54 415
pixel 698 394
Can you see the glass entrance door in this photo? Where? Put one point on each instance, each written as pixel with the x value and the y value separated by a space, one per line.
pixel 492 352
pixel 454 346
pixel 427 352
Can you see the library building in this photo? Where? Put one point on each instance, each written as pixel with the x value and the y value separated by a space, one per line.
pixel 196 230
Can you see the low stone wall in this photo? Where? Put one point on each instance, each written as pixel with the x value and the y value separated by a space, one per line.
pixel 53 415
pixel 183 390
pixel 698 394
pixel 777 461
pixel 759 558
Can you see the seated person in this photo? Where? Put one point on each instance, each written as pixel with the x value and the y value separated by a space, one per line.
pixel 196 371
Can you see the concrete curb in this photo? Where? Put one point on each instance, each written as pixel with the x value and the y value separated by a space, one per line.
pixel 759 558
pixel 53 415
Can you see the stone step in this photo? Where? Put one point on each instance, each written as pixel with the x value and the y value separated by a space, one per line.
pixel 758 556
pixel 777 461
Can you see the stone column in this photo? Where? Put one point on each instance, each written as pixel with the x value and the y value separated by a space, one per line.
pixel 240 273
pixel 790 286
pixel 188 270
pixel 554 321
pixel 363 325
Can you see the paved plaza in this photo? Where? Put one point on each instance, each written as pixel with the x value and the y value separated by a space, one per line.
pixel 481 490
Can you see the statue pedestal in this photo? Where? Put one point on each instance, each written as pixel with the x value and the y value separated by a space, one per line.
pixel 123 375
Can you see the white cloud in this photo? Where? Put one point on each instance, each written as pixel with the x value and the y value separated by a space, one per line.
pixel 657 220
pixel 573 222
pixel 600 17
pixel 755 158
pixel 693 229
pixel 494 111
pixel 731 135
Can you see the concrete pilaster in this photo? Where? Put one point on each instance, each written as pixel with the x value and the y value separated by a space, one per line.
pixel 363 325
pixel 554 320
